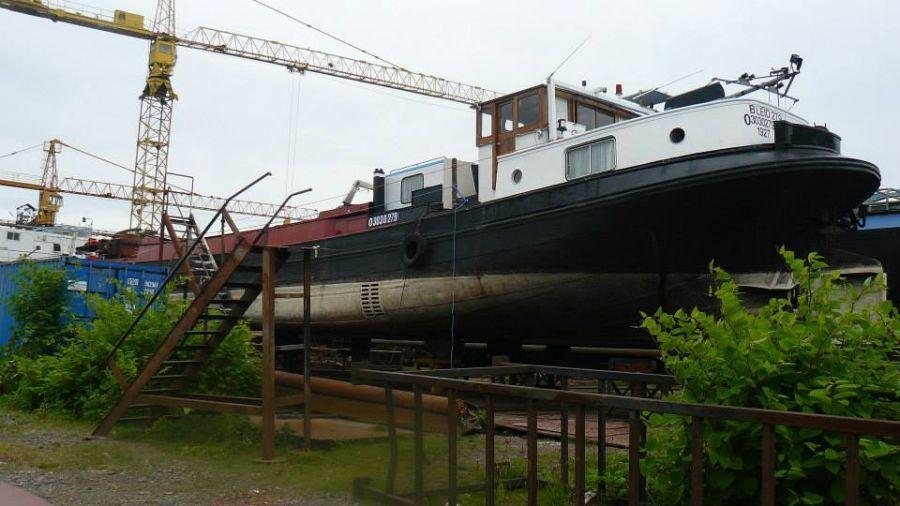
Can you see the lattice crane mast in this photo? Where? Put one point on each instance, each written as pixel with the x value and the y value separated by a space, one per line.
pixel 158 95
pixel 51 189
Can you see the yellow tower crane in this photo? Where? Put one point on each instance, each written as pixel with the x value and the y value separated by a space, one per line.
pixel 147 200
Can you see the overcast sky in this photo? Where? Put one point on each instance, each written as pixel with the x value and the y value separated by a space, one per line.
pixel 233 119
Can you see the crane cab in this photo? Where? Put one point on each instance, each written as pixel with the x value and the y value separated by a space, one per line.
pixel 129 19
pixel 162 53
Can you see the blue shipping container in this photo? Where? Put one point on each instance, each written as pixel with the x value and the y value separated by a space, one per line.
pixel 97 277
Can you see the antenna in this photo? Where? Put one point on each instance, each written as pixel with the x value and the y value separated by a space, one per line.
pixel 772 83
pixel 567 57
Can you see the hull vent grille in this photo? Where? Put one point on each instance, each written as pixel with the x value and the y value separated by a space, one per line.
pixel 370 300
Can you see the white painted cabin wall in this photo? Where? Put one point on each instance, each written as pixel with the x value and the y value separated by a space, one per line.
pixel 708 127
pixel 432 171
pixel 30 239
pixel 485 172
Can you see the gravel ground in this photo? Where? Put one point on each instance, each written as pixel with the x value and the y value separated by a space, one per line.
pixel 59 464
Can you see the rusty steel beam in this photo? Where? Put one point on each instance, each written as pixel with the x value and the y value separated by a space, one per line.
pixel 268 354
pixel 696 461
pixel 391 422
pixel 768 465
pixel 490 480
pixel 418 447
pixel 307 349
pixel 219 406
pixel 452 463
pixel 579 454
pixel 185 323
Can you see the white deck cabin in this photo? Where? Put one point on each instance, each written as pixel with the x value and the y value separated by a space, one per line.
pixel 39 243
pixel 520 150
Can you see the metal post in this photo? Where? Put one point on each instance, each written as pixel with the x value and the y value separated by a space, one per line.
pixel 601 443
pixel 418 452
pixel 696 461
pixel 564 438
pixel 634 458
pixel 451 447
pixel 307 350
pixel 768 466
pixel 532 454
pixel 579 454
pixel 392 437
pixel 489 466
pixel 851 485
pixel 268 355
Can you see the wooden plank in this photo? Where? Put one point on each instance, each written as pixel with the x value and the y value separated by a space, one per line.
pixel 696 461
pixel 768 465
pixel 268 355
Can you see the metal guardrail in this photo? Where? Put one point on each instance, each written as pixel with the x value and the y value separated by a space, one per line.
pixel 176 269
pixel 453 383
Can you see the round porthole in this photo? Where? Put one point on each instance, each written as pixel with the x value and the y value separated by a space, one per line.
pixel 516 176
pixel 676 135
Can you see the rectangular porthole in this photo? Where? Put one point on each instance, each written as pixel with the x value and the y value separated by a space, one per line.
pixel 592 158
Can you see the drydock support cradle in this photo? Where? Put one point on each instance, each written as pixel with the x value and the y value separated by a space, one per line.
pixel 249 268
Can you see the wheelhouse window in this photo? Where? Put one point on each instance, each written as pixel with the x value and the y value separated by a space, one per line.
pixel 529 109
pixel 12 236
pixel 487 122
pixel 586 115
pixel 408 185
pixel 591 158
pixel 604 118
pixel 593 117
pixel 506 117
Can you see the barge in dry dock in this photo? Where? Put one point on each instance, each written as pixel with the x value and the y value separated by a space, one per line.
pixel 581 210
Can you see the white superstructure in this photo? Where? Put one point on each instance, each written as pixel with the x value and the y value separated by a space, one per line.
pixel 38 243
pixel 519 150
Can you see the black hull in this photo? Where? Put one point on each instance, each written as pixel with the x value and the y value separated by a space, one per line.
pixel 617 243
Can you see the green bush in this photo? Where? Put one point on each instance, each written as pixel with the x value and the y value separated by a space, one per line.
pixel 821 351
pixel 40 308
pixel 75 380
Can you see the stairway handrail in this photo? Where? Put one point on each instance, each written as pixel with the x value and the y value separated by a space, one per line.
pixel 175 270
pixel 276 213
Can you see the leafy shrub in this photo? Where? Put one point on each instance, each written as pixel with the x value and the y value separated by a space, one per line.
pixel 821 351
pixel 40 308
pixel 75 380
